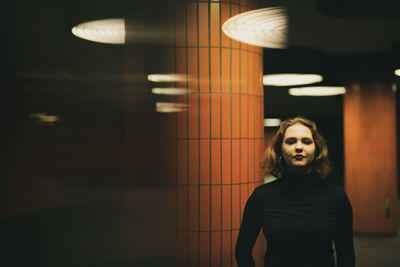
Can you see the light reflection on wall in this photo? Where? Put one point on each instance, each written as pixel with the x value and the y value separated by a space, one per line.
pixel 96 175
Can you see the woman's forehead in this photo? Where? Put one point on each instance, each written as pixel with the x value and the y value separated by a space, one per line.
pixel 298 130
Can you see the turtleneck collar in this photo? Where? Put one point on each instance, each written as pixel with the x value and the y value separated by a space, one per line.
pixel 305 179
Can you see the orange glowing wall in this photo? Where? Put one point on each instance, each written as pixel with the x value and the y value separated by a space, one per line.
pixel 370 156
pixel 216 144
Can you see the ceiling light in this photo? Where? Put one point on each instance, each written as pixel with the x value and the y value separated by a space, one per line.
pixel 272 122
pixel 172 77
pixel 288 79
pixel 49 119
pixel 266 27
pixel 108 31
pixel 397 72
pixel 43 118
pixel 170 91
pixel 317 91
pixel 168 107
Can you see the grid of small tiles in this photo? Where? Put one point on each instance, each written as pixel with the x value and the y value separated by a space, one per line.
pixel 217 143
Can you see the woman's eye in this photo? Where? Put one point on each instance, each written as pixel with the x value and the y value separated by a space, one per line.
pixel 290 141
pixel 307 141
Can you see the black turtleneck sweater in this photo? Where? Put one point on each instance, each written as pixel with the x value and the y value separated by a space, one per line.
pixel 301 216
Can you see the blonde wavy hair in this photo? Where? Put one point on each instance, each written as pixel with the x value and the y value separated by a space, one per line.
pixel 273 163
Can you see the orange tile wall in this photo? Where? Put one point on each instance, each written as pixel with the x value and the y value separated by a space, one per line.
pixel 219 139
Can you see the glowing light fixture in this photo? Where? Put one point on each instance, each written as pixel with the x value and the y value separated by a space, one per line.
pixel 266 27
pixel 317 91
pixel 50 119
pixel 272 122
pixel 108 31
pixel 168 107
pixel 397 72
pixel 170 91
pixel 43 118
pixel 289 79
pixel 171 77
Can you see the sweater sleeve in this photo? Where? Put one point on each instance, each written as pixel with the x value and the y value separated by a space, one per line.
pixel 344 240
pixel 248 233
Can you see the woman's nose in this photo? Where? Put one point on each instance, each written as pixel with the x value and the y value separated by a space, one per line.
pixel 299 147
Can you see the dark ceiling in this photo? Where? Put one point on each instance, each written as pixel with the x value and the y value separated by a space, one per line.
pixel 342 40
pixel 337 38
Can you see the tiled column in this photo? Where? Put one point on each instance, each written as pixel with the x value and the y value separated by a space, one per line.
pixel 218 141
pixel 370 155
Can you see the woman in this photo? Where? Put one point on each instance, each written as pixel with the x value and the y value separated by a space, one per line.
pixel 301 214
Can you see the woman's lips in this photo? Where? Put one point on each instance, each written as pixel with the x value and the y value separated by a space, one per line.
pixel 299 157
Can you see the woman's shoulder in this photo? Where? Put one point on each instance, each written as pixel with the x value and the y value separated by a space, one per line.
pixel 337 192
pixel 334 187
pixel 264 192
pixel 270 183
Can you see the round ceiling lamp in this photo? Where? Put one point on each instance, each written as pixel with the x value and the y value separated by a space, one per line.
pixel 289 79
pixel 317 91
pixel 43 118
pixel 170 91
pixel 272 122
pixel 266 27
pixel 107 31
pixel 166 77
pixel 397 72
pixel 169 107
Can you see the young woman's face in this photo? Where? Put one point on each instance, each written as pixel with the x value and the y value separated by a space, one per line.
pixel 298 149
